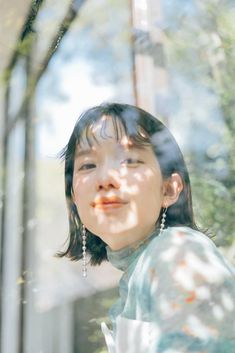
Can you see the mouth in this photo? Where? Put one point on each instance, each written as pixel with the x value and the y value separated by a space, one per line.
pixel 108 203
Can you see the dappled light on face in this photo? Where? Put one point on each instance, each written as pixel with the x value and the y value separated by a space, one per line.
pixel 143 177
pixel 148 173
pixel 125 141
pixel 130 189
pixel 82 182
pixel 138 176
pixel 130 220
pixel 120 167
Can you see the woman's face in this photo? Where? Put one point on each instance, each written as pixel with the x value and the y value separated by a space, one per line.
pixel 117 187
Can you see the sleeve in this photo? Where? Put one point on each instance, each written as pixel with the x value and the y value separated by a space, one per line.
pixel 192 295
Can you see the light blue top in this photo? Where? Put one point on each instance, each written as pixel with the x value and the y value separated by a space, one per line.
pixel 179 281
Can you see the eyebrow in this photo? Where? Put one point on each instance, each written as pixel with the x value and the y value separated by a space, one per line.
pixel 138 147
pixel 85 152
pixel 89 151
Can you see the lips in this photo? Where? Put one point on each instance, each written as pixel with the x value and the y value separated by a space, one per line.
pixel 108 202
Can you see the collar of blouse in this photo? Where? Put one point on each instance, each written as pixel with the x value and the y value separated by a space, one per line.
pixel 121 259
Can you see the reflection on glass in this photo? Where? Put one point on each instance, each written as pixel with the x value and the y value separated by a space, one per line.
pixel 174 60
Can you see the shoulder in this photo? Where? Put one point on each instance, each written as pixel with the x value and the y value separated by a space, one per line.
pixel 186 250
pixel 179 236
pixel 174 239
pixel 182 239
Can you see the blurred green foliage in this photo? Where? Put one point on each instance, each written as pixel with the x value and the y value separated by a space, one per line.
pixel 201 45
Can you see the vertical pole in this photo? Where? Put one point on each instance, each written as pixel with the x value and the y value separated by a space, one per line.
pixel 28 207
pixel 3 200
pixel 132 40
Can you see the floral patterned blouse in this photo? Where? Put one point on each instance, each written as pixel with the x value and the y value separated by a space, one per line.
pixel 177 295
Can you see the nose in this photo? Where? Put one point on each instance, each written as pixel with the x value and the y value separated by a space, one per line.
pixel 107 178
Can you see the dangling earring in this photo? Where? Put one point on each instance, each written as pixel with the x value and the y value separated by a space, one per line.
pixel 163 220
pixel 84 268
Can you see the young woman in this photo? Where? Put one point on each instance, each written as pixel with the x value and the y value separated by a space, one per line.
pixel 129 202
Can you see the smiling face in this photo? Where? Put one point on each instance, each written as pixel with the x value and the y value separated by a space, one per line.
pixel 117 186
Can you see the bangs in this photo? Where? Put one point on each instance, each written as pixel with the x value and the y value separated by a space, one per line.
pixel 135 133
pixel 135 124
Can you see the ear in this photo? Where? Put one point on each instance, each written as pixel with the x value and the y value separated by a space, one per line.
pixel 172 188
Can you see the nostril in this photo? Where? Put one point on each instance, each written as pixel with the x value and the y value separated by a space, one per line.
pixel 108 186
pixel 107 181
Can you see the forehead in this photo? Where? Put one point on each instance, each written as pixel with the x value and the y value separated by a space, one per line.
pixel 106 128
pixel 109 130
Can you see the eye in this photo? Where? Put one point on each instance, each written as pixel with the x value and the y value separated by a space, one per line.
pixel 132 161
pixel 87 166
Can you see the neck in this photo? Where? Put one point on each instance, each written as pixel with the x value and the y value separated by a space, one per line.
pixel 116 246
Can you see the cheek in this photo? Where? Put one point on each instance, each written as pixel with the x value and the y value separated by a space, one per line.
pixel 81 188
pixel 150 191
pixel 150 181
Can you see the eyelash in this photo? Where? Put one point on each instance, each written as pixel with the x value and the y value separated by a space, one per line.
pixel 133 159
pixel 85 165
pixel 128 159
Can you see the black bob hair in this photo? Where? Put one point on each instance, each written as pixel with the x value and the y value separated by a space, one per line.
pixel 141 128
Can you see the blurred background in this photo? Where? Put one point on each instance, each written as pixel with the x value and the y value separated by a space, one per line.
pixel 176 59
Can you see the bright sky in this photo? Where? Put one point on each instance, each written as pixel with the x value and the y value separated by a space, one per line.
pixel 58 116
